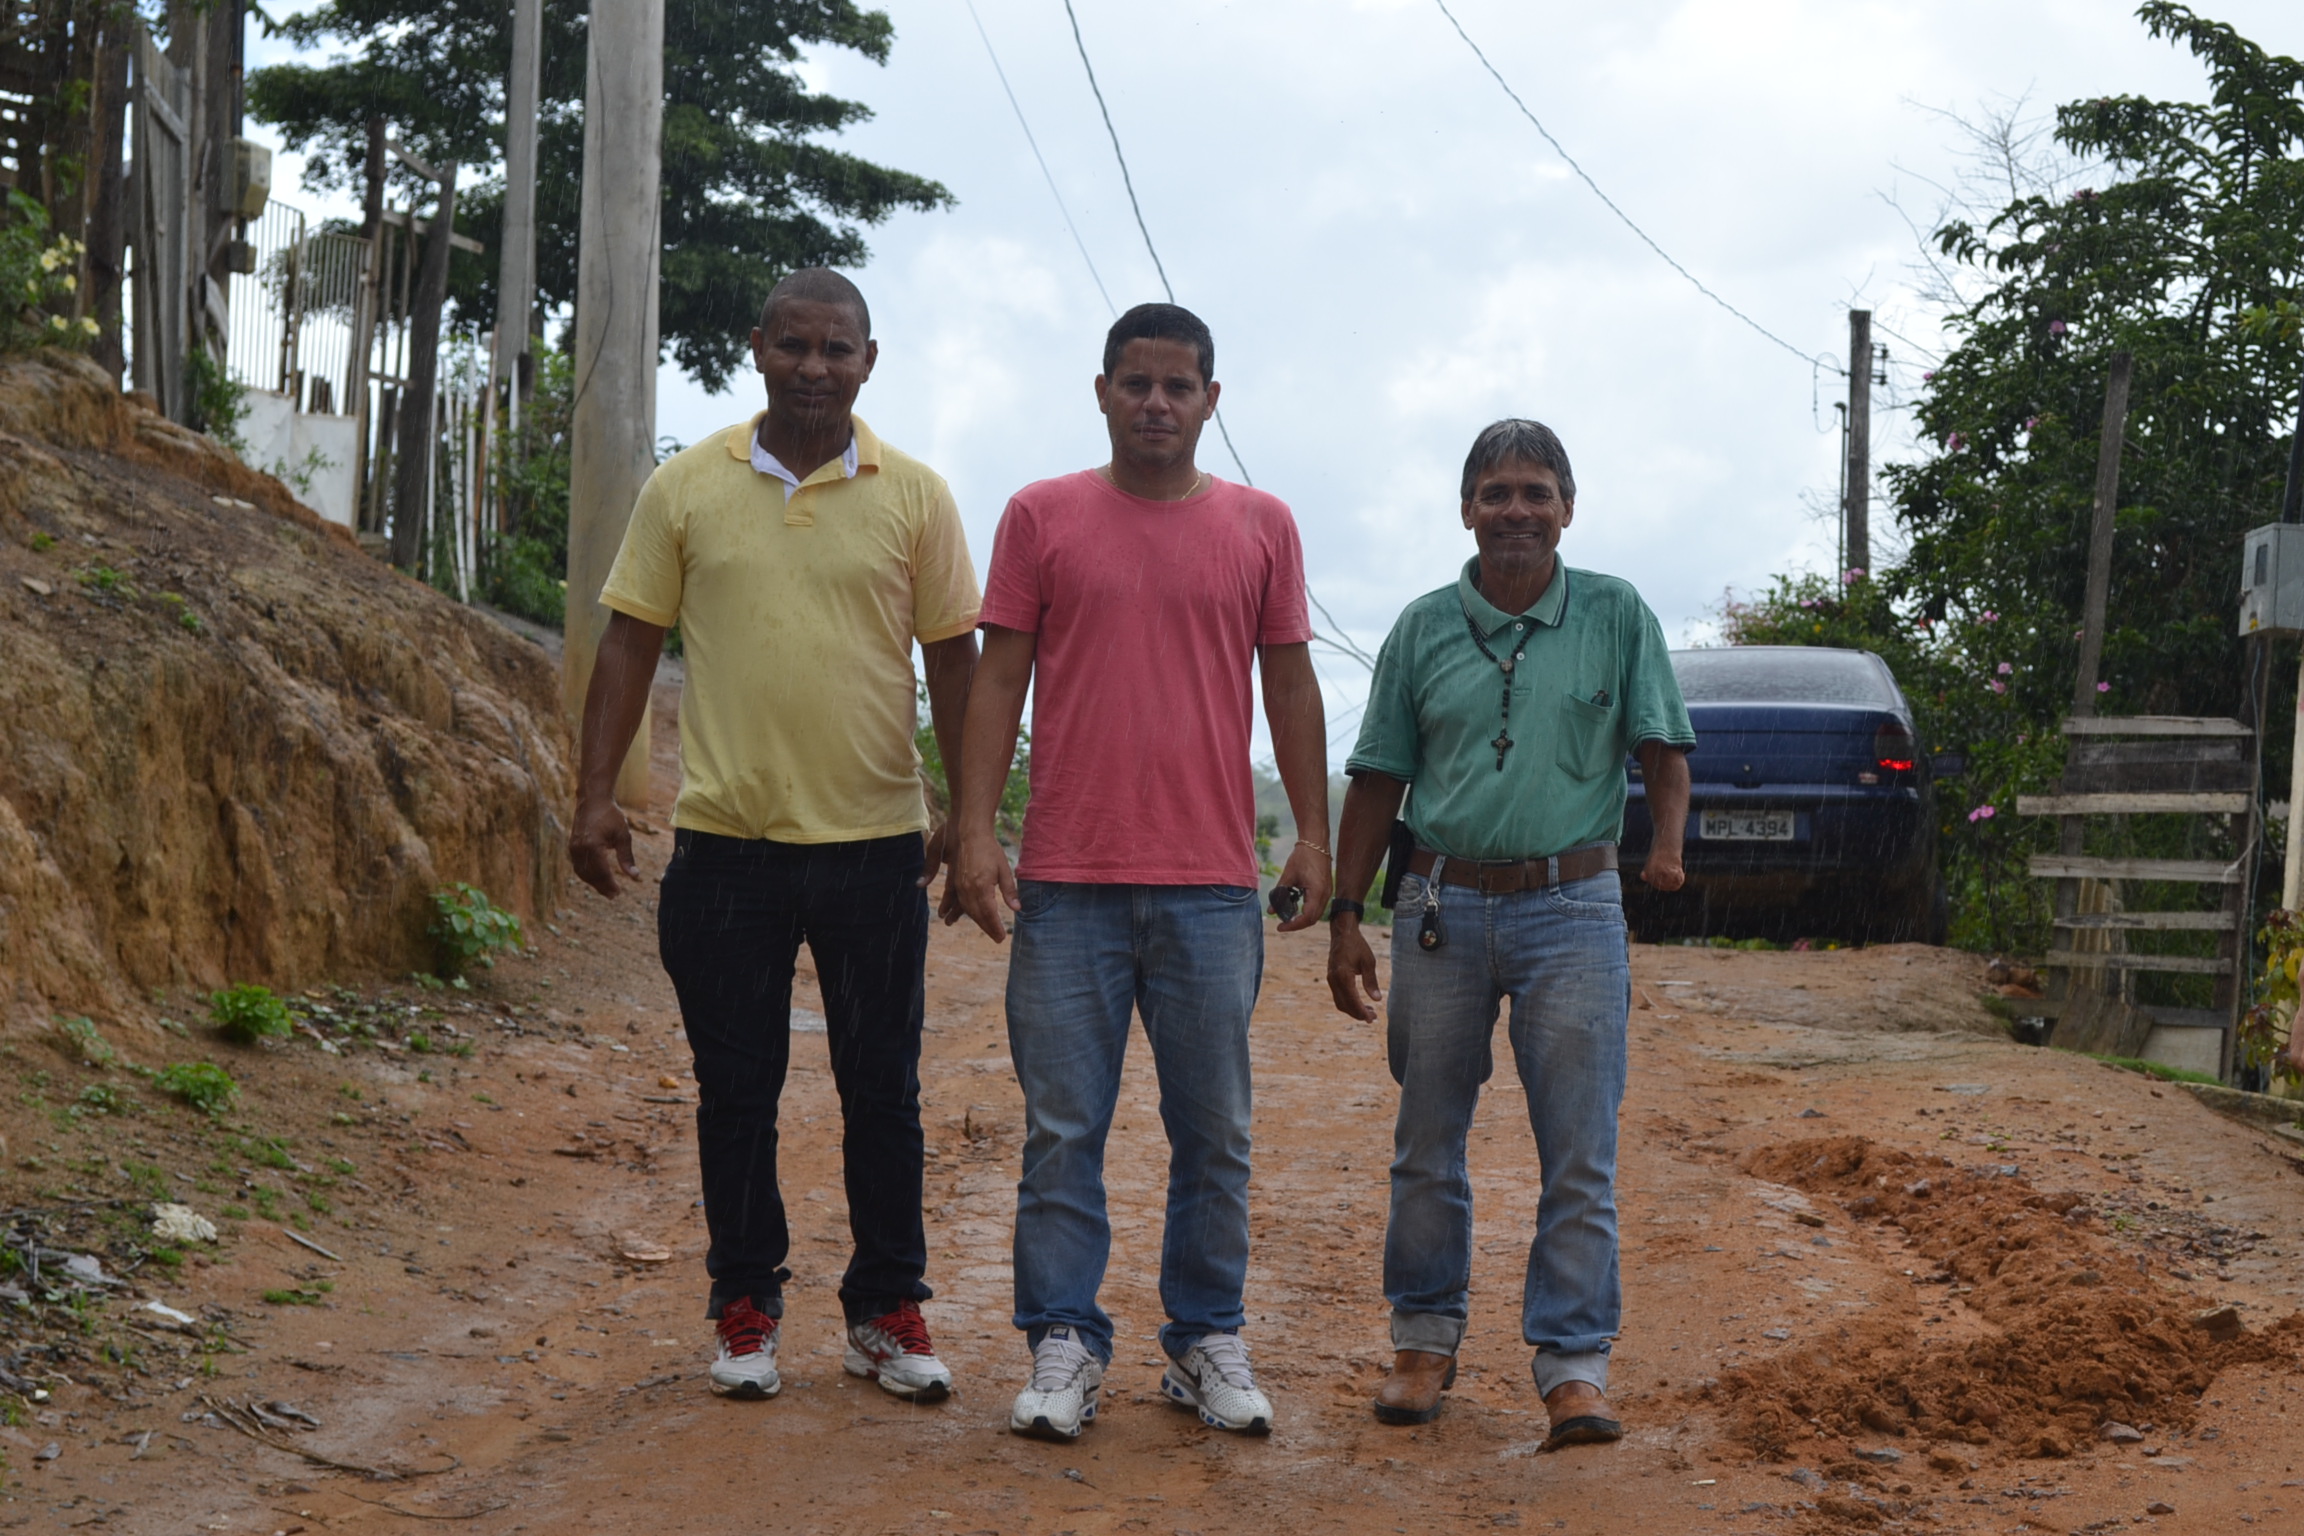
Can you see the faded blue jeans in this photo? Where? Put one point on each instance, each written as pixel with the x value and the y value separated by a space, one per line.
pixel 1191 958
pixel 1559 954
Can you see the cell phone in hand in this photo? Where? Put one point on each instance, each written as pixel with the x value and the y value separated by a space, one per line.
pixel 1286 901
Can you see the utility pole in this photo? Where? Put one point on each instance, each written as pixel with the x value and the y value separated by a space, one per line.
pixel 612 432
pixel 2292 511
pixel 412 469
pixel 1856 496
pixel 2092 617
pixel 516 272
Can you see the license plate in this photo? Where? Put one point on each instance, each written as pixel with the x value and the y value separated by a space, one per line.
pixel 1747 826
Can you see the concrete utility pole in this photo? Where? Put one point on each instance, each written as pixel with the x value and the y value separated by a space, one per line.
pixel 1856 499
pixel 2092 615
pixel 612 433
pixel 516 272
pixel 412 465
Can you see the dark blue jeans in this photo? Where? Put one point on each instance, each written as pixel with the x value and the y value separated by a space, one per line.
pixel 729 926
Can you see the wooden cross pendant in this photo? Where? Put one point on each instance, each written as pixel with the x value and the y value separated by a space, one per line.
pixel 1502 744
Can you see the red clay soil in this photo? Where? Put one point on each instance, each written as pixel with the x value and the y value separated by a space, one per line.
pixel 509 1311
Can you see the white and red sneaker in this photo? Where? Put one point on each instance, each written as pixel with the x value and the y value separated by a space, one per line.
pixel 895 1351
pixel 747 1363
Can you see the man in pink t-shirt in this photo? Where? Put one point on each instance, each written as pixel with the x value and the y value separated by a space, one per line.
pixel 1132 601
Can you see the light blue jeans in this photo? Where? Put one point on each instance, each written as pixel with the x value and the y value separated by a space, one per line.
pixel 1191 958
pixel 1559 954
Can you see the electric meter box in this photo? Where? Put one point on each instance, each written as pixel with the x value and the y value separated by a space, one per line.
pixel 251 178
pixel 2272 580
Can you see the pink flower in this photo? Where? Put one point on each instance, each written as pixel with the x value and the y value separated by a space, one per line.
pixel 1929 377
pixel 1850 577
pixel 1999 686
pixel 1990 617
pixel 2030 422
pixel 2103 687
pixel 1955 441
pixel 2006 670
pixel 2055 327
pixel 1982 813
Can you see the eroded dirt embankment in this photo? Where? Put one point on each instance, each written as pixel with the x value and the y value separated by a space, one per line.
pixel 235 746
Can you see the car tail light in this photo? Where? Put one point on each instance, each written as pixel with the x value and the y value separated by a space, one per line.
pixel 1893 747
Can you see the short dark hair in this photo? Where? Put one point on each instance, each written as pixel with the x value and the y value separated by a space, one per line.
pixel 1516 438
pixel 817 285
pixel 1161 322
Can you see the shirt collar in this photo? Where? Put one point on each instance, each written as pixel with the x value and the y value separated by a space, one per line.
pixel 1550 609
pixel 862 452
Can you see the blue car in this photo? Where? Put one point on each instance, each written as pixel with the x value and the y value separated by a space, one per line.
pixel 1812 811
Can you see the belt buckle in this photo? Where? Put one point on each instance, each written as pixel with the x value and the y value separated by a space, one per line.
pixel 1507 869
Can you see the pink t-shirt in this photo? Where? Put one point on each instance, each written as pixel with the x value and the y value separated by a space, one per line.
pixel 1148 615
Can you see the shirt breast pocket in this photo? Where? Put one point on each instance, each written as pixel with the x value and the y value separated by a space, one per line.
pixel 1587 742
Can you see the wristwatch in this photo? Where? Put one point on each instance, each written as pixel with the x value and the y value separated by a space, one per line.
pixel 1340 906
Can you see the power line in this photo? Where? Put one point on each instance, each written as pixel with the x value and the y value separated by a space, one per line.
pixel 1053 190
pixel 1340 641
pixel 1586 178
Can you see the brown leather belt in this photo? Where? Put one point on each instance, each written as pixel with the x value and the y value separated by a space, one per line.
pixel 1500 877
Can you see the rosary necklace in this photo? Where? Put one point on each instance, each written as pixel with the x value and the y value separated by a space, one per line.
pixel 1504 664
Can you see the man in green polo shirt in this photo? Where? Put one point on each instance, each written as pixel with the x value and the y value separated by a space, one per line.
pixel 1509 700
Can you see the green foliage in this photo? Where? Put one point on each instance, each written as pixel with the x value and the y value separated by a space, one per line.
pixel 201 1084
pixel 295 1298
pixel 526 568
pixel 470 928
pixel 1267 829
pixel 103 1100
pixel 249 1013
pixel 2154 1069
pixel 38 277
pixel 219 401
pixel 750 189
pixel 91 1047
pixel 42 543
pixel 2265 1028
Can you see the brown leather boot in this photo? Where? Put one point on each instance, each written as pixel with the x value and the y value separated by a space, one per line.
pixel 1411 1394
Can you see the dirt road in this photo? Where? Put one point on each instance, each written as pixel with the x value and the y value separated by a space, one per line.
pixel 515 1286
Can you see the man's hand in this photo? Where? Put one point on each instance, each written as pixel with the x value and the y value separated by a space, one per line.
pixel 1662 871
pixel 600 846
pixel 1352 970
pixel 987 886
pixel 932 859
pixel 1307 870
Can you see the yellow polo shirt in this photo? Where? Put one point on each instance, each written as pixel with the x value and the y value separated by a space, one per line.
pixel 797 613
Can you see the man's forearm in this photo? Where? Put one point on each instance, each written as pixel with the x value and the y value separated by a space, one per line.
pixel 1664 771
pixel 995 713
pixel 1369 807
pixel 951 668
pixel 1299 721
pixel 623 670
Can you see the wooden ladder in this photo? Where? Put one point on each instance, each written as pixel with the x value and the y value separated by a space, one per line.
pixel 2151 765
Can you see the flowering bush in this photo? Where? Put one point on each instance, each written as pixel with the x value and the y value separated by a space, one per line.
pixel 2264 1029
pixel 39 273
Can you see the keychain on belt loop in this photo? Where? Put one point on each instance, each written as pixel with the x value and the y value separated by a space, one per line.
pixel 1428 934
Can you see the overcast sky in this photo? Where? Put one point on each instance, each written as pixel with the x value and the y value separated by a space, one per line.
pixel 1390 256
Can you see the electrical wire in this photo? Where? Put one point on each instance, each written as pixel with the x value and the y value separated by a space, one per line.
pixel 1339 641
pixel 1586 178
pixel 1049 175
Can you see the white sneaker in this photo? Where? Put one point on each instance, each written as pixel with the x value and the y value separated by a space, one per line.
pixel 1061 1399
pixel 1214 1378
pixel 747 1363
pixel 896 1352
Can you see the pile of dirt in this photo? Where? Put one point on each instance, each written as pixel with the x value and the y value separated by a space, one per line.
pixel 236 747
pixel 2076 1333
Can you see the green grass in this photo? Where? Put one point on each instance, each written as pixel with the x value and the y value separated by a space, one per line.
pixel 2154 1069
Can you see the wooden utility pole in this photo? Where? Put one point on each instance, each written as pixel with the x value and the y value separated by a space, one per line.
pixel 412 471
pixel 516 272
pixel 2292 511
pixel 2100 534
pixel 367 311
pixel 1856 498
pixel 612 433
pixel 108 216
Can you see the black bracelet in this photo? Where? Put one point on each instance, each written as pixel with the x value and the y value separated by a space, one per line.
pixel 1340 906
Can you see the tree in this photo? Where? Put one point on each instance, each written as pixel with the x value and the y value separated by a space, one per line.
pixel 750 191
pixel 2190 254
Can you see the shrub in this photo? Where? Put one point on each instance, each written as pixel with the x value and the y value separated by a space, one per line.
pixel 469 927
pixel 201 1084
pixel 83 1041
pixel 38 275
pixel 249 1013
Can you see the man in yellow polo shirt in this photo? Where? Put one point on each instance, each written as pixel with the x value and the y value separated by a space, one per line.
pixel 801 557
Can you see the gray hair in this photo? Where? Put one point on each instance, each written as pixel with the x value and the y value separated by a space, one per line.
pixel 1515 438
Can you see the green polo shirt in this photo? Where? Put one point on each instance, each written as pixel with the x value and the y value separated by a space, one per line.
pixel 1596 681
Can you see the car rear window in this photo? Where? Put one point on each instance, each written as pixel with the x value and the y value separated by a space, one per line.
pixel 1787 674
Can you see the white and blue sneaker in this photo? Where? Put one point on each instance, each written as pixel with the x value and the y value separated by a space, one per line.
pixel 1060 1400
pixel 1214 1379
